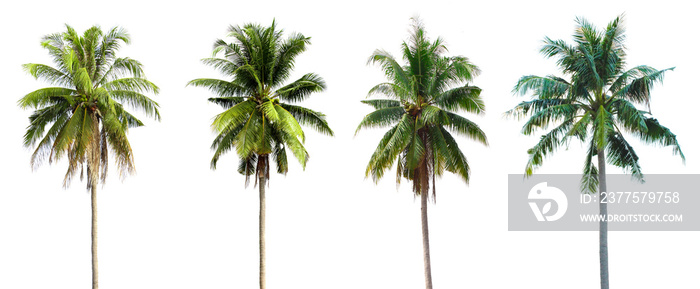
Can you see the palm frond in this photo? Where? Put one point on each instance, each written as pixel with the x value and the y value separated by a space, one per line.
pixel 301 88
pixel 237 114
pixel 548 143
pixel 305 116
pixel 394 141
pixel 381 103
pixel 381 118
pixel 661 135
pixel 621 154
pixel 465 127
pixel 466 98
pixel 550 87
pixel 46 96
pixel 137 101
pixel 48 73
pixel 221 88
pixel 638 89
pixel 226 102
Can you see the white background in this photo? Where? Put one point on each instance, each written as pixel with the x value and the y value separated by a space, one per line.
pixel 178 224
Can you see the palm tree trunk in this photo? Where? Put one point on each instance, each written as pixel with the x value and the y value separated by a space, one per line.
pixel 603 233
pixel 93 232
pixel 424 225
pixel 262 181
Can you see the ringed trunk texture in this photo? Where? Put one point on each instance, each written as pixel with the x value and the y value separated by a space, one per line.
pixel 262 182
pixel 93 233
pixel 603 233
pixel 424 225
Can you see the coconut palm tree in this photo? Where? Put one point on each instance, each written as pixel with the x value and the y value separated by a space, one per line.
pixel 86 108
pixel 595 102
pixel 260 122
pixel 423 96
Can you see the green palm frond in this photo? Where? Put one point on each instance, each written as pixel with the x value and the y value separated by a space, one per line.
pixel 416 151
pixel 295 146
pixel 46 96
pixel 235 115
pixel 132 83
pixel 221 88
pixel 548 143
pixel 661 135
pixel 224 66
pixel 526 108
pixel 301 88
pixel 305 116
pixel 391 90
pixel 123 67
pixel 621 154
pixel 42 117
pixel 381 103
pixel 224 142
pixel 628 115
pixel 249 138
pixel 465 127
pixel 381 118
pixel 226 102
pixel 638 89
pixel 279 155
pixel 121 148
pixel 288 51
pixel 394 141
pixel 48 73
pixel 551 114
pixel 466 98
pixel 138 101
pixel 126 119
pixel 550 87
pixel 448 150
pixel 392 69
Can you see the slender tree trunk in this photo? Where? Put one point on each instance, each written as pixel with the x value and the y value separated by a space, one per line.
pixel 603 233
pixel 93 233
pixel 262 183
pixel 424 225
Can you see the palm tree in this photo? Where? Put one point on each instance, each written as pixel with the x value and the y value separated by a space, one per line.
pixel 420 112
pixel 596 105
pixel 86 109
pixel 257 122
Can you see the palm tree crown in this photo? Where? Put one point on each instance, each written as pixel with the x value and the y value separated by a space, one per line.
pixel 257 121
pixel 420 110
pixel 596 105
pixel 86 109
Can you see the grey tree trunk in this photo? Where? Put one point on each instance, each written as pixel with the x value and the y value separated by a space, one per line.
pixel 603 233
pixel 262 181
pixel 93 232
pixel 424 225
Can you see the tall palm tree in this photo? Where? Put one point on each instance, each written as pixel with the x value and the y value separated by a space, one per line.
pixel 422 97
pixel 257 122
pixel 596 105
pixel 86 109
